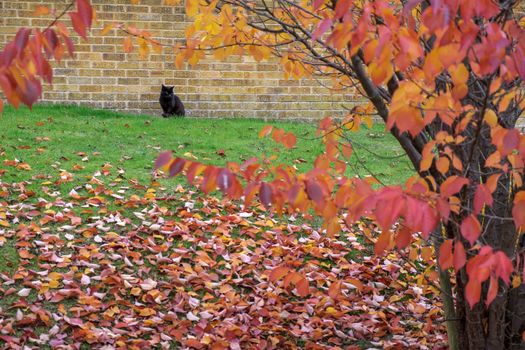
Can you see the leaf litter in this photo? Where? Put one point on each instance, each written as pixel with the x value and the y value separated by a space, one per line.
pixel 114 264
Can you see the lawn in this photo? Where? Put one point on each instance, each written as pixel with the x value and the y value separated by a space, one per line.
pixel 97 255
pixel 80 140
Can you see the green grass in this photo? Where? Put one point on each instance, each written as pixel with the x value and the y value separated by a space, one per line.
pixel 54 138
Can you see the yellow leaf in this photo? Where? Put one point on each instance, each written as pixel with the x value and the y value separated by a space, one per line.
pixel 143 47
pixel 147 312
pixel 157 48
pixel 108 28
pixel 491 118
pixel 54 276
pixel 330 310
pixel 516 281
pixel 459 74
pixel 192 7
pixel 54 284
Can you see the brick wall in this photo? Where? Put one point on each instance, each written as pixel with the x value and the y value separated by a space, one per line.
pixel 102 75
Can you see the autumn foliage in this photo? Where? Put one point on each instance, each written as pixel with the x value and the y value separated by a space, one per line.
pixel 446 76
pixel 24 62
pixel 447 79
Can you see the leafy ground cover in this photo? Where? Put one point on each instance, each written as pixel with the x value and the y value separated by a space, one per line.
pixel 96 254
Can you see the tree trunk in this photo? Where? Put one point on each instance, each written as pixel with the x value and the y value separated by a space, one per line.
pixel 500 326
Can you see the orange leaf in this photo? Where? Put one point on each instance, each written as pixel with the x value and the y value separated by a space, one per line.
pixel 383 242
pixel 41 11
pixel 492 182
pixel 128 45
pixel 459 74
pixel 302 286
pixel 347 149
pixel 445 255
pixel 278 273
pixel 357 283
pixel 334 290
pixel 265 131
pixel 452 185
pixel 518 210
pixel 442 165
pixel 289 140
pixel 473 292
pixel 493 161
pixel 108 28
pixel 471 229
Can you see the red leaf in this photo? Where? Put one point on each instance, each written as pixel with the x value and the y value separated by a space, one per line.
pixel 460 257
pixel 390 204
pixel 473 292
pixel 322 27
pixel 511 141
pixel 446 260
pixel 314 191
pixel 342 8
pixel 503 266
pixel 21 38
pixel 403 238
pixel 493 290
pixel 32 92
pixel 78 24
pixel 86 12
pixel 471 229
pixel 266 194
pixel 163 159
pixel 194 170
pixel 224 180
pixel 176 166
pixel 318 3
pixel 482 197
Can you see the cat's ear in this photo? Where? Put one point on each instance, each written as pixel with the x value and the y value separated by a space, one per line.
pixel 171 88
pixel 163 86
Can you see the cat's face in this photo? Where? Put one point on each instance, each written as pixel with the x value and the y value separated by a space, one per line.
pixel 166 90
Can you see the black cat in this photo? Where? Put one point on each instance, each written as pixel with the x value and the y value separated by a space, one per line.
pixel 170 103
